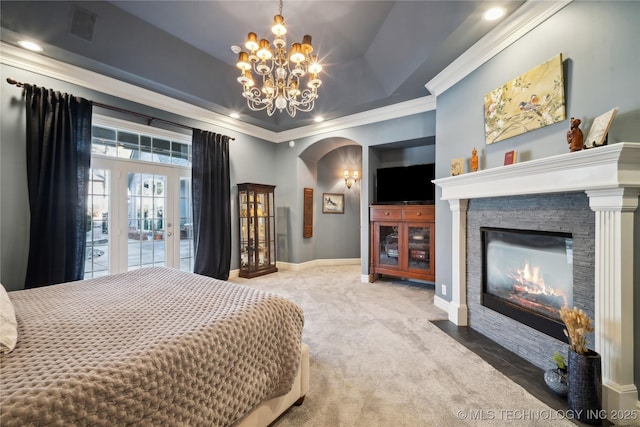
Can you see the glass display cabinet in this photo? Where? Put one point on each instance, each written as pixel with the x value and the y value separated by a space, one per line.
pixel 256 211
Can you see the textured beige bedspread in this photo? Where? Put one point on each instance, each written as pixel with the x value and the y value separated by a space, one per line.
pixel 150 347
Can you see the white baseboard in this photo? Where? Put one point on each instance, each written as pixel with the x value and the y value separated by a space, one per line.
pixel 318 263
pixel 442 304
pixel 289 266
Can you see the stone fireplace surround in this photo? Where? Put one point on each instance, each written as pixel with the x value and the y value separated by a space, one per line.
pixel 561 212
pixel 610 178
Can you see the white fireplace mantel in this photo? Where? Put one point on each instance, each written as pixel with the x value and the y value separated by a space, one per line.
pixel 607 167
pixel 610 176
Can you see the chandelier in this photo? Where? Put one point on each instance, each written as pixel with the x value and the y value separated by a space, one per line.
pixel 281 75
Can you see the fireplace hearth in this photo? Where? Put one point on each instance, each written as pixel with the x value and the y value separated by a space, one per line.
pixel 528 275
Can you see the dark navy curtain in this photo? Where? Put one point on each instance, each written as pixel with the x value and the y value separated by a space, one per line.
pixel 211 193
pixel 58 162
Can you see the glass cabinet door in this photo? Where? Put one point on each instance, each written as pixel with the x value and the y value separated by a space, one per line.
pixel 419 247
pixel 389 245
pixel 245 228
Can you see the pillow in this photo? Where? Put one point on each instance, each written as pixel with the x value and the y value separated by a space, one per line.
pixel 8 323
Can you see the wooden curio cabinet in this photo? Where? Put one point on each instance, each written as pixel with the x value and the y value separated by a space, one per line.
pixel 402 241
pixel 256 211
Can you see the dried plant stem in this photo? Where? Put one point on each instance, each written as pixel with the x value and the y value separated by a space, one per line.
pixel 578 325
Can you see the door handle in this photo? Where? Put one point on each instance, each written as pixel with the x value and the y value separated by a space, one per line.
pixel 169 233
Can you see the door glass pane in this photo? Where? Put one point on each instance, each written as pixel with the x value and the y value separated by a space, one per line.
pixel 181 154
pixel 419 246
pixel 146 229
pixel 161 151
pixel 186 225
pixel 96 261
pixel 388 245
pixel 128 145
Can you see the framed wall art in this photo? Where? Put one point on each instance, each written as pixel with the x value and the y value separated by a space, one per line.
pixel 332 203
pixel 457 166
pixel 599 129
pixel 510 157
pixel 531 101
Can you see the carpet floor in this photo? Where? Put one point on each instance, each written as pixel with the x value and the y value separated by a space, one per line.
pixel 378 360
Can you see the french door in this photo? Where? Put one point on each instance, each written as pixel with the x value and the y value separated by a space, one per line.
pixel 140 215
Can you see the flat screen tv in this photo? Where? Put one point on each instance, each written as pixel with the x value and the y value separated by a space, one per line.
pixel 405 184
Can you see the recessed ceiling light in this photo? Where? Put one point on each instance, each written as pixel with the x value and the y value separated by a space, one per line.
pixel 234 115
pixel 318 119
pixel 30 45
pixel 494 13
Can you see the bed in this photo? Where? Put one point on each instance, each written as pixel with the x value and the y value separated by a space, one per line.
pixel 153 347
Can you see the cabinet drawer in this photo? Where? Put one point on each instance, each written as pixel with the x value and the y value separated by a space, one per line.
pixel 385 213
pixel 419 213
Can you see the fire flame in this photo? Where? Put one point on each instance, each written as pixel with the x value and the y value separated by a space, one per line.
pixel 530 280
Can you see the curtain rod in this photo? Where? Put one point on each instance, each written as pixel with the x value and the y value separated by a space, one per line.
pixel 149 119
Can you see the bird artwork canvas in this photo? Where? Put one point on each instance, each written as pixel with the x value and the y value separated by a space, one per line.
pixel 533 100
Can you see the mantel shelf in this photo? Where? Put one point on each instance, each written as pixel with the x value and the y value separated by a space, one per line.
pixel 607 167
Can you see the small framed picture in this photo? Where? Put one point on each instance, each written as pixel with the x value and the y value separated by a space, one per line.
pixel 599 129
pixel 457 166
pixel 511 157
pixel 332 203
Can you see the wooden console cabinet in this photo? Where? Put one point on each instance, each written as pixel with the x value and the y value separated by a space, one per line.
pixel 402 241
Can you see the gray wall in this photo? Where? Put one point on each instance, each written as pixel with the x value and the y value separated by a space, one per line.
pixel 338 235
pixel 297 169
pixel 599 44
pixel 251 160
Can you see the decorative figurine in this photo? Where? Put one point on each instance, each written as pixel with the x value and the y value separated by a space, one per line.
pixel 575 139
pixel 474 160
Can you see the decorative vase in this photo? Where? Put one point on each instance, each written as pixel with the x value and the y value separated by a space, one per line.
pixel 556 379
pixel 585 386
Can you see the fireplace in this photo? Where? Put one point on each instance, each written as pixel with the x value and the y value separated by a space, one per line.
pixel 528 275
pixel 594 195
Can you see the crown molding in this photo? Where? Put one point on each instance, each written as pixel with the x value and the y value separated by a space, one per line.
pixel 394 111
pixel 524 19
pixel 40 64
pixel 23 59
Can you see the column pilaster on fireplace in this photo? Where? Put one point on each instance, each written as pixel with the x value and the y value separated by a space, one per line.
pixel 614 282
pixel 458 312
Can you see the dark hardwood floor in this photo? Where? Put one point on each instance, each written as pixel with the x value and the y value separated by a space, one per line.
pixel 522 372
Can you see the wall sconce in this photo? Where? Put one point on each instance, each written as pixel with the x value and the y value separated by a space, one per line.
pixel 350 180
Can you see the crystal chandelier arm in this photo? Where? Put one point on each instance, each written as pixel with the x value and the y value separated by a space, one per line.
pixel 256 103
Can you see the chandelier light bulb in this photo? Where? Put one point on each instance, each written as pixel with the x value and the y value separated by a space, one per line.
pixel 296 53
pixel 278 27
pixel 252 42
pixel 264 52
pixel 290 80
pixel 314 66
pixel 243 61
pixel 294 91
